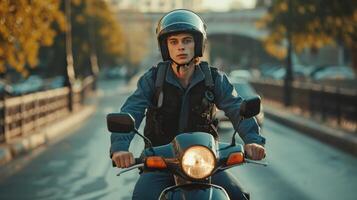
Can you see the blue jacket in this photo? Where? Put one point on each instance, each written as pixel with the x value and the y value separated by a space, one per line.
pixel 226 99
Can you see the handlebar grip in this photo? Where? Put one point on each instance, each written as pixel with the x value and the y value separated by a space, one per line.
pixel 138 161
pixel 248 157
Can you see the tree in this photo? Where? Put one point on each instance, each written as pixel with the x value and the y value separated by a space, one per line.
pixel 313 24
pixel 110 46
pixel 25 26
pixel 95 28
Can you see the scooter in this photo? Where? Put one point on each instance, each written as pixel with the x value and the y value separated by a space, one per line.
pixel 191 157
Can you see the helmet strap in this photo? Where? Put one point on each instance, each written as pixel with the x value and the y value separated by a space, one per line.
pixel 178 66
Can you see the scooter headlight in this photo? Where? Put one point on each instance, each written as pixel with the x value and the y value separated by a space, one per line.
pixel 198 162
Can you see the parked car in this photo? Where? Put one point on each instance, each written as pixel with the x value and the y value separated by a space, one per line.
pixel 240 74
pixel 116 72
pixel 5 89
pixel 300 72
pixel 56 82
pixel 333 73
pixel 267 71
pixel 245 90
pixel 33 83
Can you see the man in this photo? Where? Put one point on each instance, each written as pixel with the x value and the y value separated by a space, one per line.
pixel 179 96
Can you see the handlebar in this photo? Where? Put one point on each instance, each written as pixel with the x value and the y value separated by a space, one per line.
pixel 130 168
pixel 246 160
pixel 136 162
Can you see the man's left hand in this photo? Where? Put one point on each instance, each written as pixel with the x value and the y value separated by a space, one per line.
pixel 254 151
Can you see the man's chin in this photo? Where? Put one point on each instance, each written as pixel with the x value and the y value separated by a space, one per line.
pixel 182 62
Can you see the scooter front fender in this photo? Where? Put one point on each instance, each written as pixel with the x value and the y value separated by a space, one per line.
pixel 194 192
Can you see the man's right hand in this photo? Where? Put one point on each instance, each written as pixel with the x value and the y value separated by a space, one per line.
pixel 123 159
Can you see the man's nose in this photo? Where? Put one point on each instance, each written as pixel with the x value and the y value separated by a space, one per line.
pixel 181 46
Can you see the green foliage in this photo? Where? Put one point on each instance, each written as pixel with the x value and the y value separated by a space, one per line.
pixel 25 26
pixel 32 34
pixel 94 26
pixel 313 24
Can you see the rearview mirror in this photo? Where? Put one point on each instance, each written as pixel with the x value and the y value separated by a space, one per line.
pixel 250 107
pixel 120 122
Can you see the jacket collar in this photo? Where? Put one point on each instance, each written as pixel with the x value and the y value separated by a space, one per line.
pixel 197 77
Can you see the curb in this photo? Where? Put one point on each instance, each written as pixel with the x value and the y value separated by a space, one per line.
pixel 334 137
pixel 52 132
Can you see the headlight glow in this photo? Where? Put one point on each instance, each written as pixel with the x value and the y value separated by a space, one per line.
pixel 198 162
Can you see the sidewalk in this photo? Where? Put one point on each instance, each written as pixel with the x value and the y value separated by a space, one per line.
pixel 55 131
pixel 332 136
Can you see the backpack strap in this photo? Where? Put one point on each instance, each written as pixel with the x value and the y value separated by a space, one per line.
pixel 208 76
pixel 159 77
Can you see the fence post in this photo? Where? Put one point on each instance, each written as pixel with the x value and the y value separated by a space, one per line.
pixel 311 102
pixel 322 103
pixel 2 117
pixel 338 105
pixel 22 112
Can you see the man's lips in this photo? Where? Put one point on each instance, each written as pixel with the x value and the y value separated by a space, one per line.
pixel 182 55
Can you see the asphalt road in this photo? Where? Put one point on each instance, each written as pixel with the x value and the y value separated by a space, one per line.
pixel 78 166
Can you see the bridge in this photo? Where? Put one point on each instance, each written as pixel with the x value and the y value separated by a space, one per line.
pixel 240 22
pixel 224 29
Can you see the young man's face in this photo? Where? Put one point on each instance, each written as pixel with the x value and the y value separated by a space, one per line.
pixel 181 47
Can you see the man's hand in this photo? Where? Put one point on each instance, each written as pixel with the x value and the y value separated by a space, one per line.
pixel 254 151
pixel 123 159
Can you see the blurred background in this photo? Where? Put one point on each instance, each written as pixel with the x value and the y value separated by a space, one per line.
pixel 65 64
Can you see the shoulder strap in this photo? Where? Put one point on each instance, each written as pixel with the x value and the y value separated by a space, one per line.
pixel 214 72
pixel 159 76
pixel 208 76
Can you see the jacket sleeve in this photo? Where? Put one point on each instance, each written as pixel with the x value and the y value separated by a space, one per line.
pixel 228 100
pixel 135 105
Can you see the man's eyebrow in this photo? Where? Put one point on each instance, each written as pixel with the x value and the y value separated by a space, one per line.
pixel 184 38
pixel 188 37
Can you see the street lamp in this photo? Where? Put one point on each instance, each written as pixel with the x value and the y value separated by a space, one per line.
pixel 70 74
pixel 289 74
pixel 93 53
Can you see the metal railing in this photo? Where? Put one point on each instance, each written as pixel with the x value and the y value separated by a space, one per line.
pixel 24 115
pixel 324 102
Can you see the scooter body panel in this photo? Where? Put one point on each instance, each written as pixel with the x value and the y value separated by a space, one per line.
pixel 194 192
